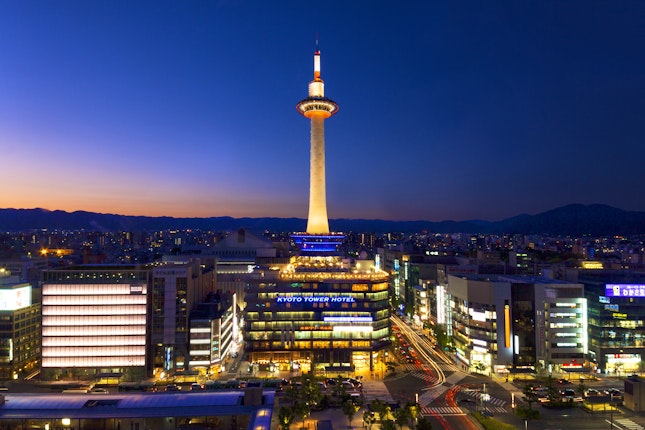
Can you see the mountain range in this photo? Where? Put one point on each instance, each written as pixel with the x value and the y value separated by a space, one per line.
pixel 574 220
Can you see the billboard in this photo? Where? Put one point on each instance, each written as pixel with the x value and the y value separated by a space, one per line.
pixel 625 290
pixel 15 298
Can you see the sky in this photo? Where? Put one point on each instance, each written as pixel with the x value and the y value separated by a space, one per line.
pixel 448 110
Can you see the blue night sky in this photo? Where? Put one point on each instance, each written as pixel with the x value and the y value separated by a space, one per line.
pixel 448 110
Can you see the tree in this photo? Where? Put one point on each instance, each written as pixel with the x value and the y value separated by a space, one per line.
pixel 526 413
pixel 349 409
pixel 424 424
pixel 310 390
pixel 479 367
pixel 391 366
pixel 388 425
pixel 369 418
pixel 413 411
pixel 302 410
pixel 440 334
pixel 380 408
pixel 618 367
pixel 285 417
pixel 581 388
pixel 552 392
pixel 401 417
pixel 529 395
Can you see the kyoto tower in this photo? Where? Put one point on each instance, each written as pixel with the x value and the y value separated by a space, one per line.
pixel 317 108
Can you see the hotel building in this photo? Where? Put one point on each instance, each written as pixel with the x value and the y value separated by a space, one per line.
pixel 319 311
pixel 319 314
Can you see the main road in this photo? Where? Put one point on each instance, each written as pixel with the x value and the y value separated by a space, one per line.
pixel 432 382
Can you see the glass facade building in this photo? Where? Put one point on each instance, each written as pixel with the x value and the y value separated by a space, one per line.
pixel 616 320
pixel 318 313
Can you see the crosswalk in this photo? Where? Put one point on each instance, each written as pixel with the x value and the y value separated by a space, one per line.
pixel 477 396
pixel 373 390
pixel 628 424
pixel 428 396
pixel 441 410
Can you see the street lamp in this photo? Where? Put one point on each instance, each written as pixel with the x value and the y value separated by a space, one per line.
pixel 611 411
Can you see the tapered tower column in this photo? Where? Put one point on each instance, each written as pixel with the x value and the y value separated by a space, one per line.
pixel 317 108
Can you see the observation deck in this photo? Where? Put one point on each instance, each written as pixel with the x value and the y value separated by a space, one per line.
pixel 322 106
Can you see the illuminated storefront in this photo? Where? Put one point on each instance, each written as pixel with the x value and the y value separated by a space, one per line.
pixel 616 302
pixel 317 313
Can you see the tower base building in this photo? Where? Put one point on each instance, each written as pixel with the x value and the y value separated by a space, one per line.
pixel 320 314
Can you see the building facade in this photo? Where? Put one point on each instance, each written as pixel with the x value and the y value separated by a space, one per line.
pixel 616 322
pixel 213 334
pixel 506 323
pixel 19 328
pixel 177 288
pixel 317 313
pixel 94 320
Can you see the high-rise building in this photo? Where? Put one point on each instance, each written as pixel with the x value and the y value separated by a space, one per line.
pixel 319 311
pixel 94 320
pixel 177 288
pixel 19 328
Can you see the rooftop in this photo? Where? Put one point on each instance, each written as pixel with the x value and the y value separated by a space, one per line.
pixel 100 406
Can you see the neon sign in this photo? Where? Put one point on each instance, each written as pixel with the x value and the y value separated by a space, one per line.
pixel 625 290
pixel 315 299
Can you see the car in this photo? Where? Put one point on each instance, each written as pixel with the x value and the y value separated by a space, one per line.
pixel 466 400
pixel 354 381
pixel 563 381
pixel 172 387
pixel 592 392
pixel 196 387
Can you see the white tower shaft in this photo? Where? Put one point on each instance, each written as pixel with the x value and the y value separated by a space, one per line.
pixel 318 222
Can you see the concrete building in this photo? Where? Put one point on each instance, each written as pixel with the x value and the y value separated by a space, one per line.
pixel 236 256
pixel 214 333
pixel 505 323
pixel 177 289
pixel 19 328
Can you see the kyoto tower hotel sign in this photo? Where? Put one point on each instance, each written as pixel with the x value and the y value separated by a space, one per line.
pixel 317 108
